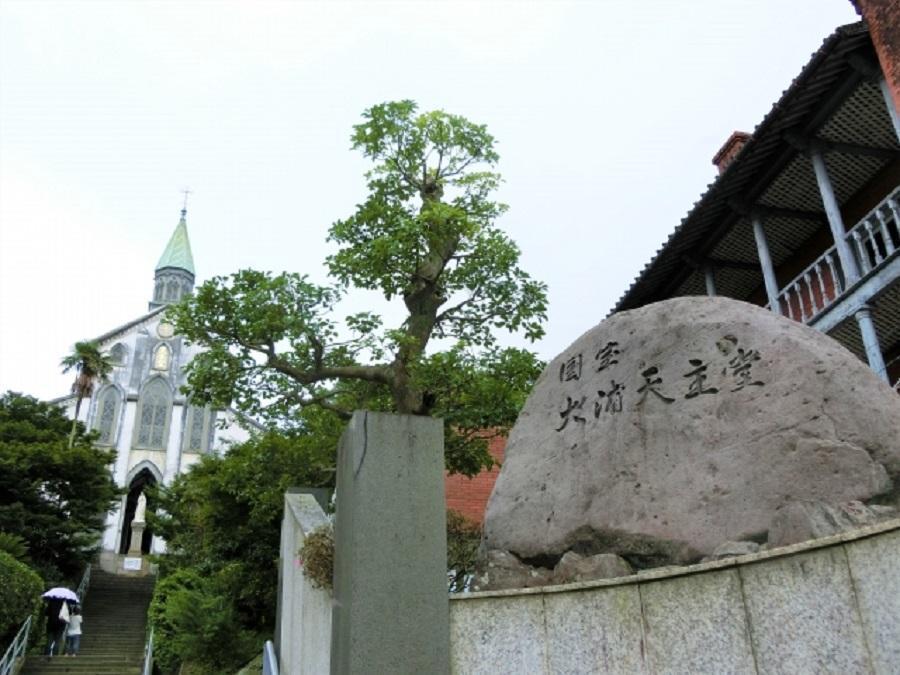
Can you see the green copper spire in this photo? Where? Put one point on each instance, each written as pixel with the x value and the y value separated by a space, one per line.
pixel 178 251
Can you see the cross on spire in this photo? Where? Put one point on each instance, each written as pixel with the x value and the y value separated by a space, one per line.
pixel 186 192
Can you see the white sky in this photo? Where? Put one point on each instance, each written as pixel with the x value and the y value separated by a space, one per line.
pixel 606 113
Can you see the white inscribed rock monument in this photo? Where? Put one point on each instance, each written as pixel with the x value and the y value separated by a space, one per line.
pixel 669 430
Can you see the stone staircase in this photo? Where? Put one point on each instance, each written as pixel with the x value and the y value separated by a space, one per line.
pixel 115 626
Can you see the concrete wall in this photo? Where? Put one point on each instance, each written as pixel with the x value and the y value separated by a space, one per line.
pixel 826 606
pixel 303 631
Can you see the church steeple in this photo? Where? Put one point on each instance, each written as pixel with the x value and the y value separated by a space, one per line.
pixel 174 276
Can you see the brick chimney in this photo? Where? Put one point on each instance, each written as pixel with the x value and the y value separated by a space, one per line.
pixel 883 20
pixel 729 151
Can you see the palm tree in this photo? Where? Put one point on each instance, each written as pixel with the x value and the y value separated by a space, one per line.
pixel 90 366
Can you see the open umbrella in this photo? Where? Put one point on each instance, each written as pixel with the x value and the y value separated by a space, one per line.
pixel 60 593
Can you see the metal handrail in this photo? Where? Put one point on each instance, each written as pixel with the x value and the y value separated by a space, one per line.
pixel 17 649
pixel 270 660
pixel 81 592
pixel 147 668
pixel 83 586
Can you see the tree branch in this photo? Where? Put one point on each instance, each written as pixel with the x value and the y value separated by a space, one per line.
pixel 450 310
pixel 377 374
pixel 459 169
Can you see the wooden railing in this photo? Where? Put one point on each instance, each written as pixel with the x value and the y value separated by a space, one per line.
pixel 873 240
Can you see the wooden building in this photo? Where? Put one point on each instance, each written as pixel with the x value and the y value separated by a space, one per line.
pixel 804 217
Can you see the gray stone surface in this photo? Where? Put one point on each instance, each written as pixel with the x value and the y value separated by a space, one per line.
pixel 499 635
pixel 575 567
pixel 303 619
pixel 806 519
pixel 498 570
pixel 795 416
pixel 697 624
pixel 729 549
pixel 793 610
pixel 390 585
pixel 875 569
pixel 803 614
pixel 595 631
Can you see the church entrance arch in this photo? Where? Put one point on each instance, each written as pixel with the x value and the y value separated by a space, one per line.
pixel 142 480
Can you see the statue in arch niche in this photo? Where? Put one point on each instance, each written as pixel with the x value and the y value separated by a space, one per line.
pixel 141 509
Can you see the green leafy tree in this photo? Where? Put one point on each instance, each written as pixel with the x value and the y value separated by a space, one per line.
pixel 196 626
pixel 222 523
pixel 53 496
pixel 91 366
pixel 425 236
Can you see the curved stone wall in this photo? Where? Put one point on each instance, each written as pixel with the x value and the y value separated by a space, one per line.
pixel 826 606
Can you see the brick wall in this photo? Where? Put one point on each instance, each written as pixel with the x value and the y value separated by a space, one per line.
pixel 883 18
pixel 469 496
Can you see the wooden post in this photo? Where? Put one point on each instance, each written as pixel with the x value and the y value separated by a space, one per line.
pixel 835 221
pixel 765 261
pixel 709 275
pixel 870 341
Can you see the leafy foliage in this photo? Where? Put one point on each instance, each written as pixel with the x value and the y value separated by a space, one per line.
pixel 14 545
pixel 20 595
pixel 196 623
pixel 53 496
pixel 426 236
pixel 90 366
pixel 463 540
pixel 221 522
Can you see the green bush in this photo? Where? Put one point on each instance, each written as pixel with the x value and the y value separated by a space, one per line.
pixel 20 595
pixel 195 624
pixel 463 540
pixel 14 545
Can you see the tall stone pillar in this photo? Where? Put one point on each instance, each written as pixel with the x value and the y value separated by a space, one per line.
pixel 391 606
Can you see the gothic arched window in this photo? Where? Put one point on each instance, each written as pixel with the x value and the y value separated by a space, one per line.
pixel 105 419
pixel 153 415
pixel 118 354
pixel 196 430
pixel 161 357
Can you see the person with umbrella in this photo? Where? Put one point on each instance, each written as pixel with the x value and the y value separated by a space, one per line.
pixel 57 617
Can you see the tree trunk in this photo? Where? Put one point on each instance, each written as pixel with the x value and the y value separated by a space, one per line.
pixel 75 420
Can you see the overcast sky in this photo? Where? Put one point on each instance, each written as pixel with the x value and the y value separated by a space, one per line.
pixel 606 114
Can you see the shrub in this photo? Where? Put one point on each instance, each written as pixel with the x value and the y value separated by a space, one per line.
pixel 20 595
pixel 195 624
pixel 14 545
pixel 317 557
pixel 463 540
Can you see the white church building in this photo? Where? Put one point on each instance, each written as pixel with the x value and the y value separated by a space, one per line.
pixel 141 412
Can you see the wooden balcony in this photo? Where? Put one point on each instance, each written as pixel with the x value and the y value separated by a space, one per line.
pixel 814 296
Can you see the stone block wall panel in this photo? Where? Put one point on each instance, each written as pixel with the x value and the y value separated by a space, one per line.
pixel 826 606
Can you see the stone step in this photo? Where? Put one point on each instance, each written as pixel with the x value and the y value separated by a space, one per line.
pixel 40 665
pixel 115 627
